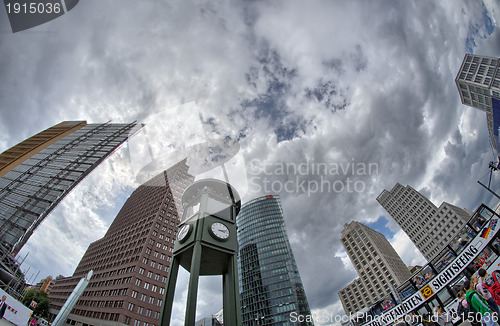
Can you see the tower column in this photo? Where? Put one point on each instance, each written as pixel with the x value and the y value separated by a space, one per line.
pixel 168 299
pixel 194 277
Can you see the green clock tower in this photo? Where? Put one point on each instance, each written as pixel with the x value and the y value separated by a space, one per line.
pixel 206 245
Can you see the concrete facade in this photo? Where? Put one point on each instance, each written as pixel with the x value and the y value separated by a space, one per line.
pixel 376 262
pixel 429 227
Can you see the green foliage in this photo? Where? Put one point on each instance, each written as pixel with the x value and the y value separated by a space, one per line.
pixel 30 294
pixel 42 300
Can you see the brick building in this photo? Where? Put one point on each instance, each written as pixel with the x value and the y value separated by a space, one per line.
pixel 132 260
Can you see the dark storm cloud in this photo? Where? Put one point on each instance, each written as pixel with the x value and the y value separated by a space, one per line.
pixel 321 81
pixel 399 106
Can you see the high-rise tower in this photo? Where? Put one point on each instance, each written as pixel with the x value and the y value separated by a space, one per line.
pixel 270 284
pixel 478 83
pixel 132 260
pixel 36 174
pixel 429 227
pixel 376 262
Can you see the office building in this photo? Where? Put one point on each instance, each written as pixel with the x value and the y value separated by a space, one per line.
pixel 378 265
pixel 270 284
pixel 45 284
pixel 132 260
pixel 354 296
pixel 208 321
pixel 429 227
pixel 36 174
pixel 478 83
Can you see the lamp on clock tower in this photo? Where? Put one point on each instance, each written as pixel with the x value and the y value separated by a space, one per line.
pixel 206 245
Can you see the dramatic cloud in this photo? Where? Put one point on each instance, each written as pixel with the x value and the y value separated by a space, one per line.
pixel 364 89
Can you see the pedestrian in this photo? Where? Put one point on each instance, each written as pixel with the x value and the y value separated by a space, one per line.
pixel 484 288
pixel 3 306
pixel 440 318
pixel 478 304
pixel 464 312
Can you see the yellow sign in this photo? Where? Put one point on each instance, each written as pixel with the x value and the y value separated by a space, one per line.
pixel 427 292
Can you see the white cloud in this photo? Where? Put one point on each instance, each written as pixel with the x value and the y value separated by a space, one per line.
pixel 407 250
pixel 292 81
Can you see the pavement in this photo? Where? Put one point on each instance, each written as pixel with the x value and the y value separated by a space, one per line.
pixel 5 322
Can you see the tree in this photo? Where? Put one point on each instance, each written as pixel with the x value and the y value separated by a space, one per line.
pixel 30 294
pixel 41 299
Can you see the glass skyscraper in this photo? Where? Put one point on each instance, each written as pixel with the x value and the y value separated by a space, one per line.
pixel 270 284
pixel 36 174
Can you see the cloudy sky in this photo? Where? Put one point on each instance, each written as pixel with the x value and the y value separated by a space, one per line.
pixel 345 84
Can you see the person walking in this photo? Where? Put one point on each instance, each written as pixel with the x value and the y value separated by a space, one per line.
pixel 483 288
pixel 464 312
pixel 476 301
pixel 3 306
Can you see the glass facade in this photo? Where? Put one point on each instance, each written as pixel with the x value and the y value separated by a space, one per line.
pixel 31 190
pixel 270 285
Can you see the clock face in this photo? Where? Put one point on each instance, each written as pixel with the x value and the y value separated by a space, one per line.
pixel 219 231
pixel 183 233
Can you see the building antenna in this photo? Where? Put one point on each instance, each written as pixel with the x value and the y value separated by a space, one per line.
pixel 493 166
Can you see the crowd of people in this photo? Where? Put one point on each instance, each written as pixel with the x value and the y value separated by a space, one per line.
pixel 422 278
pixel 478 302
pixel 479 299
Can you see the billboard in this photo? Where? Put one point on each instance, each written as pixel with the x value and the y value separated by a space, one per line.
pixel 495 103
pixel 16 312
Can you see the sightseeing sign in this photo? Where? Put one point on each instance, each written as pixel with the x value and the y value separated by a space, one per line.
pixel 451 271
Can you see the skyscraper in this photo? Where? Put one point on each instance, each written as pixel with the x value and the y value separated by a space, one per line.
pixel 36 174
pixel 376 262
pixel 270 284
pixel 430 228
pixel 478 83
pixel 131 261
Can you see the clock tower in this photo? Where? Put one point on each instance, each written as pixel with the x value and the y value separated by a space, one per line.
pixel 207 245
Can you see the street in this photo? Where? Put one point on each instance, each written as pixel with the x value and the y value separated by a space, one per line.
pixel 5 322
